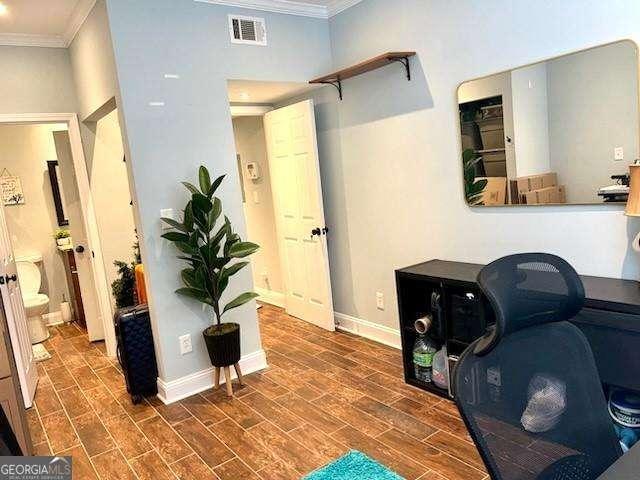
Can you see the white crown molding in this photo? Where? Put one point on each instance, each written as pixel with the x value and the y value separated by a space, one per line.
pixel 337 6
pixel 80 14
pixel 29 40
pixel 289 7
pixel 278 6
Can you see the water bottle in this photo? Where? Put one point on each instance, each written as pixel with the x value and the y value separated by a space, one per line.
pixel 423 350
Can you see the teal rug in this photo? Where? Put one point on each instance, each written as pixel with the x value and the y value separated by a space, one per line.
pixel 353 466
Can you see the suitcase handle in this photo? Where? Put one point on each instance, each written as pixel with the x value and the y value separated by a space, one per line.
pixel 119 355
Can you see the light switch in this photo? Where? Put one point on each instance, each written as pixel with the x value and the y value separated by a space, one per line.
pixel 618 153
pixel 256 197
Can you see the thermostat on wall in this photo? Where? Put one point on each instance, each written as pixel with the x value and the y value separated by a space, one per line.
pixel 253 169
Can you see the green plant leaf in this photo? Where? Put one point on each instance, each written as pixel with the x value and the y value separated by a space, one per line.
pixel 204 179
pixel 242 249
pixel 217 238
pixel 187 248
pixel 188 217
pixel 191 187
pixel 240 300
pixel 235 268
pixel 216 183
pixel 195 293
pixel 215 212
pixel 226 273
pixel 176 237
pixel 188 276
pixel 173 223
pixel 201 204
pixel 194 260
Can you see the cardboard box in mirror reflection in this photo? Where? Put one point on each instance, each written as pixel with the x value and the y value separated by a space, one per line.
pixel 538 189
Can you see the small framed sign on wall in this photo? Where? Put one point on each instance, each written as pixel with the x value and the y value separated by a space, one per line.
pixel 11 189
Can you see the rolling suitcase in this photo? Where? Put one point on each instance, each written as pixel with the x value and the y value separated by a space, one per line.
pixel 136 353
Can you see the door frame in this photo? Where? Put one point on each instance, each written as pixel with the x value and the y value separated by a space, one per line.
pixel 88 212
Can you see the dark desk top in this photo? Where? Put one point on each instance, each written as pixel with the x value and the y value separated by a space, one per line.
pixel 600 292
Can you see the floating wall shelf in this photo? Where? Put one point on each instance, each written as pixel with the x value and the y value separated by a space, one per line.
pixel 336 78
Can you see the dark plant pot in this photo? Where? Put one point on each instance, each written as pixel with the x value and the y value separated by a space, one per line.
pixel 223 344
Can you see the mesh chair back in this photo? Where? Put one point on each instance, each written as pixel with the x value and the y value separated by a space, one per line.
pixel 529 391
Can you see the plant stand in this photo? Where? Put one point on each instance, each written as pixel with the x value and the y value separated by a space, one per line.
pixel 227 378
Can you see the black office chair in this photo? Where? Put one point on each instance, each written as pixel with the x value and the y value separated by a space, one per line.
pixel 534 369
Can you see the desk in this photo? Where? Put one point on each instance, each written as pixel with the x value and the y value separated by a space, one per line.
pixel 626 468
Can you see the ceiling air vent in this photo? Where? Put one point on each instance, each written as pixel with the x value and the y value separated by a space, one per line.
pixel 247 30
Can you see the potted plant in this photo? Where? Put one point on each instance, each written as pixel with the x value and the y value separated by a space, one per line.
pixel 62 236
pixel 211 250
pixel 124 287
pixel 473 187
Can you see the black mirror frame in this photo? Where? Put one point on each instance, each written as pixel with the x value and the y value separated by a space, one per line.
pixel 55 190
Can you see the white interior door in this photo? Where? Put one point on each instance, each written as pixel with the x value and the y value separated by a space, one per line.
pixel 16 316
pixel 295 175
pixel 93 249
pixel 73 209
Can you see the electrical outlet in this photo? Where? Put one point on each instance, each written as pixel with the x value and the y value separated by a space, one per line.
pixel 185 344
pixel 379 300
pixel 618 153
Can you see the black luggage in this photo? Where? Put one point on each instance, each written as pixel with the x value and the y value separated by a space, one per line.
pixel 136 353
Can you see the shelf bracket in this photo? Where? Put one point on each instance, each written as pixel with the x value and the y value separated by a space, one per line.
pixel 337 84
pixel 404 61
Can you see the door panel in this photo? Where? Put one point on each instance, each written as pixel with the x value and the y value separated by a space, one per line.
pixel 297 191
pixel 73 207
pixel 16 316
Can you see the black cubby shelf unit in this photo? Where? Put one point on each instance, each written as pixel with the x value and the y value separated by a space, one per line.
pixel 459 312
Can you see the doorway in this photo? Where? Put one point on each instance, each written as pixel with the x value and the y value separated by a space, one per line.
pixel 278 166
pixel 71 199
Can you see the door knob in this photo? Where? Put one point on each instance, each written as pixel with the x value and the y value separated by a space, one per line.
pixel 316 231
pixel 79 249
pixel 8 278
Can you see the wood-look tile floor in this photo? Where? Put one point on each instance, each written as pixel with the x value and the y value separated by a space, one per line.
pixel 323 394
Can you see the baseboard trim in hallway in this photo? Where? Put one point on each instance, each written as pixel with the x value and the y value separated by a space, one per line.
pixel 373 331
pixel 183 387
pixel 271 297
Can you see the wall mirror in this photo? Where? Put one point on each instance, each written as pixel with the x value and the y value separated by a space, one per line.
pixel 57 192
pixel 562 131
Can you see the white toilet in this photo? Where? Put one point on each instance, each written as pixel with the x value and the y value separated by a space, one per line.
pixel 35 303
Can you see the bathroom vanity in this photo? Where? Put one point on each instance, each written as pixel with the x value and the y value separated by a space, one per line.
pixel 449 293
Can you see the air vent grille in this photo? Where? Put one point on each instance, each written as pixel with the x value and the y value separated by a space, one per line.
pixel 247 30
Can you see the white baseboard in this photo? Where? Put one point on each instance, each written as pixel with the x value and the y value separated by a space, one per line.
pixel 271 297
pixel 53 318
pixel 378 333
pixel 174 390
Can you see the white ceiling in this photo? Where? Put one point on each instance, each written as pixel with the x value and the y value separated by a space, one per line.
pixel 45 23
pixel 265 93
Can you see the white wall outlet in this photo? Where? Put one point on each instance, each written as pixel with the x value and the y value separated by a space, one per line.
pixel 185 344
pixel 256 196
pixel 618 153
pixel 379 300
